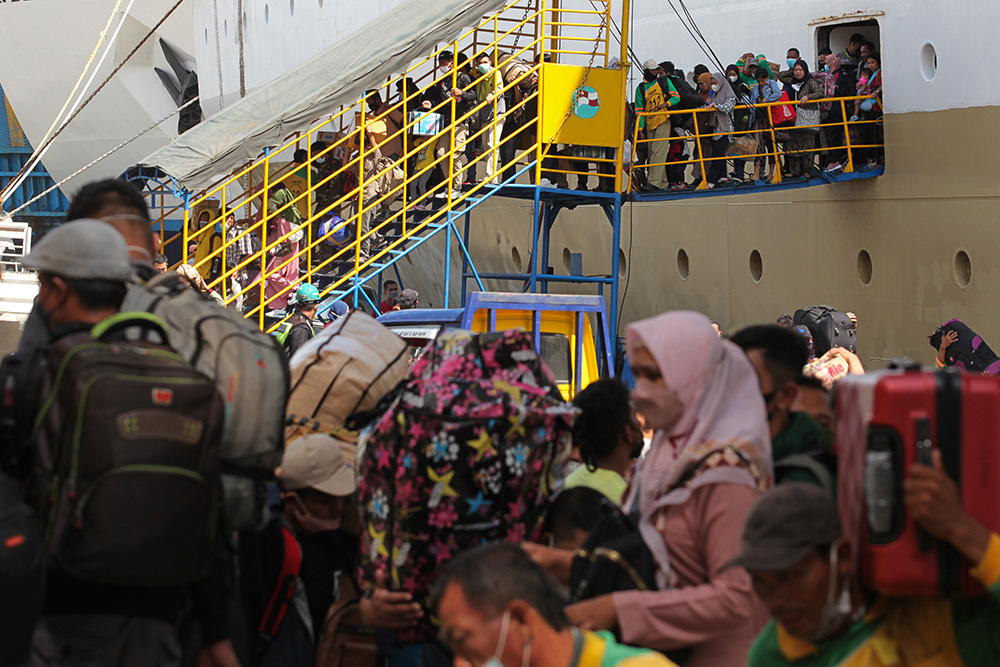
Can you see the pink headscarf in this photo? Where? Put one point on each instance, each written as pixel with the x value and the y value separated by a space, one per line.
pixel 723 407
pixel 833 62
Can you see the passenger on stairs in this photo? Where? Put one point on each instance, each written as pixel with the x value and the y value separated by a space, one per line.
pixel 489 90
pixel 457 85
pixel 383 169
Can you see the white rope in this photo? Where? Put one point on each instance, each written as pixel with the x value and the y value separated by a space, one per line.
pixel 39 153
pixel 110 152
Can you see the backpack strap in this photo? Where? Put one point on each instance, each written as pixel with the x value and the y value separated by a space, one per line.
pixel 810 465
pixel 127 320
pixel 284 590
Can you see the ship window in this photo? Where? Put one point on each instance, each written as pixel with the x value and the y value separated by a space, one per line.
pixel 928 62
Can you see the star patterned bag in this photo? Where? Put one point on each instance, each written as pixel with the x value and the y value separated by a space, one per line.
pixel 471 452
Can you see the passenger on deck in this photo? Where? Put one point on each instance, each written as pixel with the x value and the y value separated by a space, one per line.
pixel 792 57
pixel 650 96
pixel 764 90
pixel 801 87
pixel 843 86
pixel 741 117
pixel 850 58
pixel 821 61
pixel 722 100
pixel 871 110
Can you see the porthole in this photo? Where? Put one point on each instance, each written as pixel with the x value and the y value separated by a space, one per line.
pixel 864 267
pixel 566 259
pixel 622 266
pixel 683 264
pixel 515 257
pixel 963 269
pixel 928 62
pixel 756 266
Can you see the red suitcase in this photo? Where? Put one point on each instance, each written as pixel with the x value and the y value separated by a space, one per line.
pixel 885 422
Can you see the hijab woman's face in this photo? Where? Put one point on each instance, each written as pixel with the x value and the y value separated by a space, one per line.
pixel 799 72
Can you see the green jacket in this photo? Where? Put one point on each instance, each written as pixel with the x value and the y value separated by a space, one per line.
pixel 803 436
pixel 671 97
pixel 924 632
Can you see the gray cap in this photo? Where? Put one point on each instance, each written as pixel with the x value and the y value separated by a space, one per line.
pixel 83 249
pixel 784 525
pixel 316 461
pixel 408 294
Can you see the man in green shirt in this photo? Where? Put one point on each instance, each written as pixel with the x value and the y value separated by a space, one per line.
pixel 804 572
pixel 651 96
pixel 498 608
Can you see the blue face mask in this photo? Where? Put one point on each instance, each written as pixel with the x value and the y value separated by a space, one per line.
pixel 791 62
pixel 826 68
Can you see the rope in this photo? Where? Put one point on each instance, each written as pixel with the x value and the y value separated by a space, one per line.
pixel 113 150
pixel 218 51
pixel 239 25
pixel 36 156
pixel 24 171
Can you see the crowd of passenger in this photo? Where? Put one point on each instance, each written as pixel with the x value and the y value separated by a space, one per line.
pixel 722 454
pixel 740 118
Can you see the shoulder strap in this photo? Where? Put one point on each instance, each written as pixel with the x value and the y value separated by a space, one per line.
pixel 284 590
pixel 809 464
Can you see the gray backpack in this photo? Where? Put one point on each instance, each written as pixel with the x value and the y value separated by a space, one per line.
pixel 250 371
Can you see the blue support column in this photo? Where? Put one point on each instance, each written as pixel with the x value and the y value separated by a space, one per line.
pixel 537 223
pixel 447 264
pixel 465 258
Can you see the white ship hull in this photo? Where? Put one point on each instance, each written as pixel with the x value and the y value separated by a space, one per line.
pixel 925 227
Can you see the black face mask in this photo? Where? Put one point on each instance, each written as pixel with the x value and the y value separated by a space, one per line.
pixel 648 75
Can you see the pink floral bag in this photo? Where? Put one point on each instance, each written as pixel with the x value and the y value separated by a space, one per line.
pixel 469 453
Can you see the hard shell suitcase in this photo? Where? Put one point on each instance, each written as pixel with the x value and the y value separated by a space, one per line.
pixel 887 421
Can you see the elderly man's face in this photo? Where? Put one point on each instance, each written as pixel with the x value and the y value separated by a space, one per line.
pixel 472 636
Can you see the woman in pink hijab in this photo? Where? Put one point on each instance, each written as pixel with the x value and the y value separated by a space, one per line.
pixel 710 458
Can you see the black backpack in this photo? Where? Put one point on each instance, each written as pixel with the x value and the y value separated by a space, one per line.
pixel 127 444
pixel 690 99
pixel 829 328
pixel 22 573
pixel 970 352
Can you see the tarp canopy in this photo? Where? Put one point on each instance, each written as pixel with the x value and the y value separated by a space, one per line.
pixel 319 87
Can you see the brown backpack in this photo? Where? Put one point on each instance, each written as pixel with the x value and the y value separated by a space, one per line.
pixel 344 642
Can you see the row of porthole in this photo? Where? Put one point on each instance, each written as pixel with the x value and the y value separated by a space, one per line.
pixel 962 265
pixel 515 258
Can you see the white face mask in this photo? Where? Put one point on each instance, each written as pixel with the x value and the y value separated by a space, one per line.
pixel 716 87
pixel 837 608
pixel 495 660
pixel 734 78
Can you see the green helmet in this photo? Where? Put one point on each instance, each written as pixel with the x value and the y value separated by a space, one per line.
pixel 307 293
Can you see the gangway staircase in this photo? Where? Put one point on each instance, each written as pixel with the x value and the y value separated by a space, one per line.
pixel 342 201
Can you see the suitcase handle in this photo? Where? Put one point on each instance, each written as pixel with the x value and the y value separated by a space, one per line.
pixel 922 427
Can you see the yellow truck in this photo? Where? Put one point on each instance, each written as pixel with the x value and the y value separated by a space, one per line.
pixel 576 351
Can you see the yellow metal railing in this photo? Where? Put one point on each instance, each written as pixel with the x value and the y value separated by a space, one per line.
pixel 771 134
pixel 357 142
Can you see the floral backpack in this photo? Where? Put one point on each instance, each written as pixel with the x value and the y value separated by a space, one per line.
pixel 470 452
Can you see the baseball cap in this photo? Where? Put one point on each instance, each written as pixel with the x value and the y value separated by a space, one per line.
pixel 409 294
pixel 754 62
pixel 650 64
pixel 784 525
pixel 84 249
pixel 316 461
